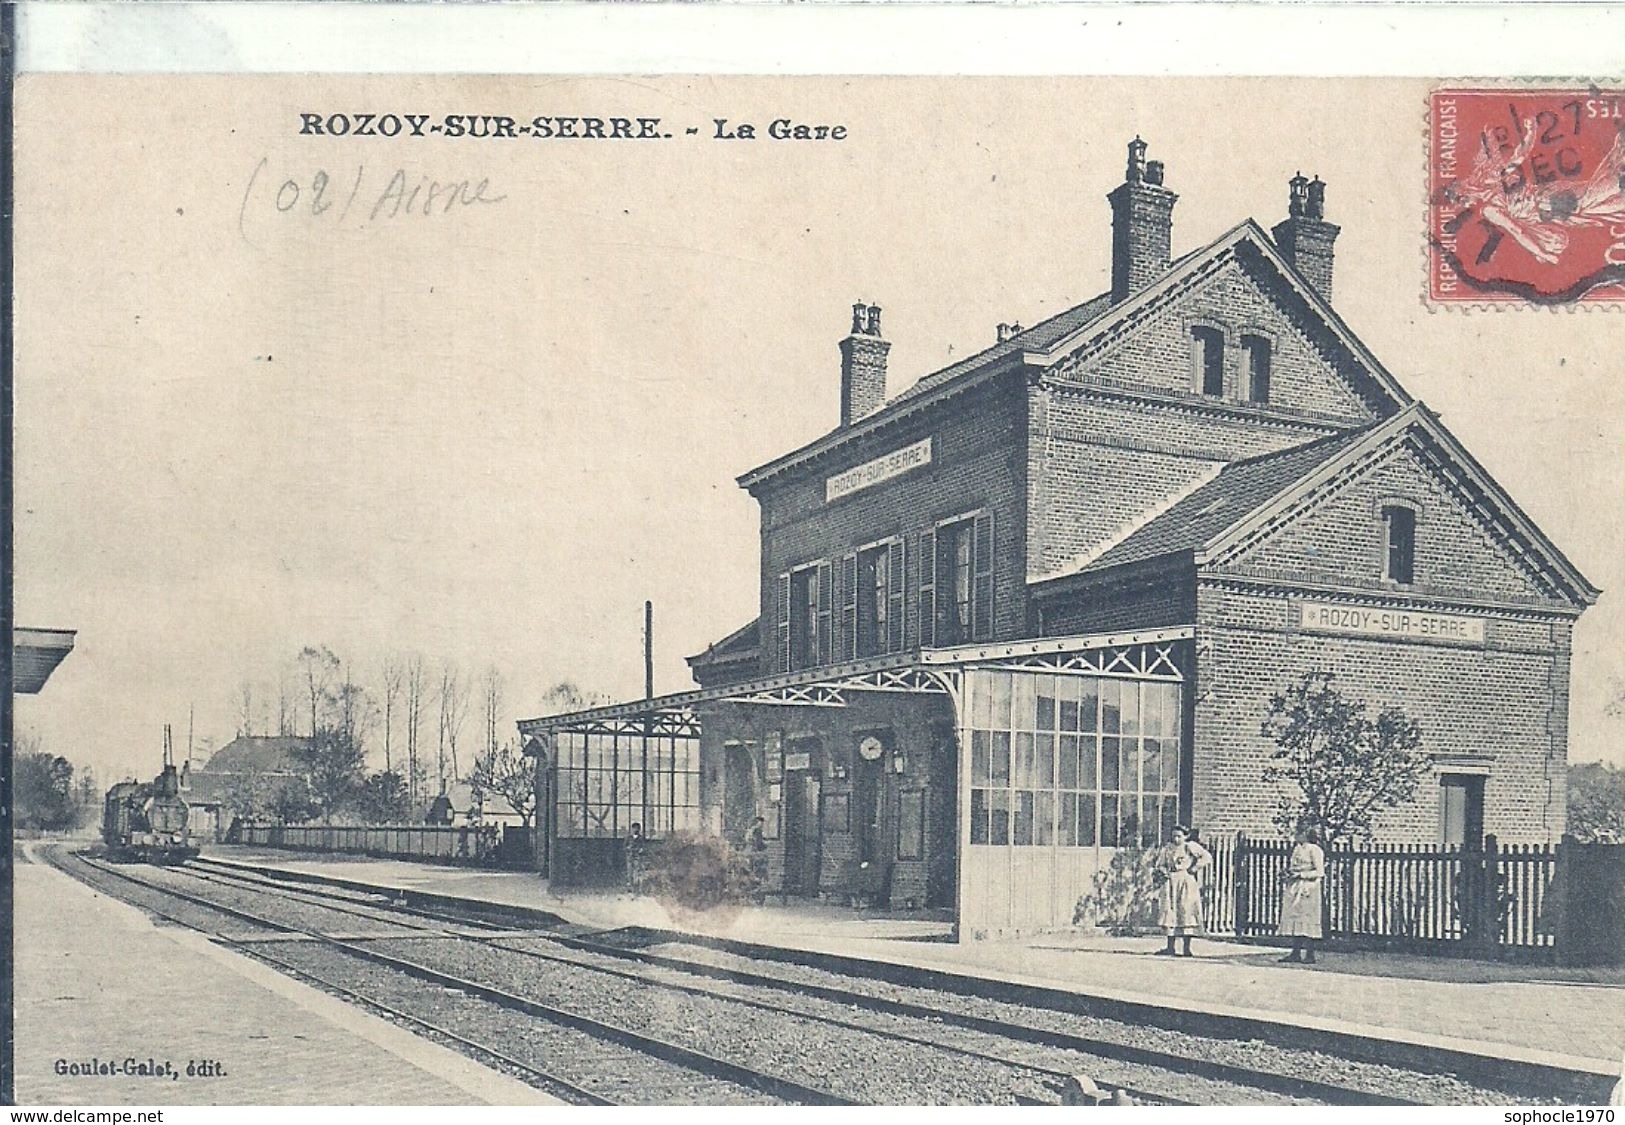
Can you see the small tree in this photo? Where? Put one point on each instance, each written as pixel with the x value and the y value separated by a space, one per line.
pixel 1345 766
pixel 505 771
pixel 290 802
pixel 1125 896
pixel 42 793
pixel 382 798
pixel 1596 802
pixel 249 793
pixel 334 762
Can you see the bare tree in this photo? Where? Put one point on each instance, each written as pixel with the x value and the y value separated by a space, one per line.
pixel 453 710
pixel 416 682
pixel 318 666
pixel 392 675
pixel 492 698
pixel 564 697
pixel 356 711
pixel 284 703
pixel 505 771
pixel 245 708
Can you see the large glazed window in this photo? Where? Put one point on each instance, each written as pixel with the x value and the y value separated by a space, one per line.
pixel 608 782
pixel 1069 760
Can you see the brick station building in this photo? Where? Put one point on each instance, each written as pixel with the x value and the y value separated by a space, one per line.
pixel 1033 608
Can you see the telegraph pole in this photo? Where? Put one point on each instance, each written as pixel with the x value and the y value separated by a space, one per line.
pixel 648 693
pixel 648 650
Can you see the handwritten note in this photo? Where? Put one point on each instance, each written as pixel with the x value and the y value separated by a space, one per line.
pixel 358 197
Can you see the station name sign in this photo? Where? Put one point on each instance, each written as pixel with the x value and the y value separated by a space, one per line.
pixel 893 464
pixel 1325 617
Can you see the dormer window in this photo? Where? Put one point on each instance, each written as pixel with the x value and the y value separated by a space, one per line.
pixel 1256 349
pixel 1207 355
pixel 1399 531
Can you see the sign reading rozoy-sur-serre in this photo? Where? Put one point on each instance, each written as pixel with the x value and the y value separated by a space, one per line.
pixel 893 464
pixel 1326 617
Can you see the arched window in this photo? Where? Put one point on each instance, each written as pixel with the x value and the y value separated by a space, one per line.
pixel 1256 349
pixel 1399 533
pixel 1207 357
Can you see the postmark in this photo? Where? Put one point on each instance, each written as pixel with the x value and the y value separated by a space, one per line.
pixel 1526 196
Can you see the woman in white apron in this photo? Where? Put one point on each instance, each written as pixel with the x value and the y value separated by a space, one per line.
pixel 1301 897
pixel 1179 863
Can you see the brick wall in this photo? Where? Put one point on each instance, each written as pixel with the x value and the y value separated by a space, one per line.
pixel 978 461
pixel 920 725
pixel 1506 699
pixel 1342 535
pixel 1500 700
pixel 1142 601
pixel 1308 372
pixel 1104 462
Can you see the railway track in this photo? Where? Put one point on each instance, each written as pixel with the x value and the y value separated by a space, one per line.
pixel 478 953
pixel 660 1072
pixel 1010 1034
pixel 661 977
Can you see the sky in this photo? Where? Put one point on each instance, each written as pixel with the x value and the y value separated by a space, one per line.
pixel 261 404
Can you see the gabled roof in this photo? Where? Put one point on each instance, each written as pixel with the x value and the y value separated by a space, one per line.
pixel 1245 233
pixel 256 753
pixel 1039 337
pixel 205 788
pixel 743 642
pixel 1051 340
pixel 1236 490
pixel 1248 495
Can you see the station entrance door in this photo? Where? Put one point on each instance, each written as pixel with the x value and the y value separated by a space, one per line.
pixel 800 829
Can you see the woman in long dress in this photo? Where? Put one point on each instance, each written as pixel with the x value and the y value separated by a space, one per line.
pixel 1179 863
pixel 1301 900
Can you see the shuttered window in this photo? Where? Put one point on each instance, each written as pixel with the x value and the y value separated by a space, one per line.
pixel 804 622
pixel 961 599
pixel 784 623
pixel 926 589
pixel 824 625
pixel 895 572
pixel 982 609
pixel 848 644
pixel 881 571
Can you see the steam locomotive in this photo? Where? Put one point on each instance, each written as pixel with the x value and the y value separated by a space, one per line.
pixel 145 822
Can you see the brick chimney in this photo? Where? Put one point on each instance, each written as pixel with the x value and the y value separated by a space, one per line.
pixel 1142 224
pixel 1305 238
pixel 863 365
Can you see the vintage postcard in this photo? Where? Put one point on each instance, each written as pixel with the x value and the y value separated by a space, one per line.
pixel 657 588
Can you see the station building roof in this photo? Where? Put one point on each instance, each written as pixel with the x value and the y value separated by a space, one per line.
pixel 1242 496
pixel 35 654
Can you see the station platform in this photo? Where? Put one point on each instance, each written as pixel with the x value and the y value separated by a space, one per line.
pixel 96 981
pixel 1572 1018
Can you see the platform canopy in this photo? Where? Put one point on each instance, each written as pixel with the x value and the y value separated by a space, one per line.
pixel 35 653
pixel 1146 652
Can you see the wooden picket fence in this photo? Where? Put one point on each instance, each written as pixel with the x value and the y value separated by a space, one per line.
pixel 1495 901
pixel 474 844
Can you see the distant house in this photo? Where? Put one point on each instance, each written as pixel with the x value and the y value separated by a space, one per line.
pixel 457 806
pixel 248 769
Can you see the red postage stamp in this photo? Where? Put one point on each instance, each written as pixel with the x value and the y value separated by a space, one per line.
pixel 1527 196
